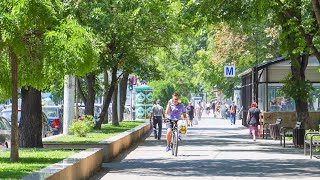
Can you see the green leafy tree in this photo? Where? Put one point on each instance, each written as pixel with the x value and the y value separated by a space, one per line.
pixel 45 43
pixel 237 33
pixel 128 32
pixel 297 22
pixel 293 20
pixel 162 90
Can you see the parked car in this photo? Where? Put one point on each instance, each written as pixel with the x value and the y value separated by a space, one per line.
pixel 55 117
pixel 6 113
pixel 5 133
pixel 98 109
pixel 47 130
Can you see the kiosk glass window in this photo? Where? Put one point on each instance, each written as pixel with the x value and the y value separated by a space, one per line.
pixel 262 97
pixel 277 100
pixel 314 100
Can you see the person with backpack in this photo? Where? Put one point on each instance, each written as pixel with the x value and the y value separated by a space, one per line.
pixel 157 112
pixel 233 112
pixel 253 119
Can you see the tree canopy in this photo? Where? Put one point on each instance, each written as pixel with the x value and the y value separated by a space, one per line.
pixel 48 43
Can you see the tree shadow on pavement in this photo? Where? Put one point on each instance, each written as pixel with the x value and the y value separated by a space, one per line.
pixel 198 161
pixel 215 167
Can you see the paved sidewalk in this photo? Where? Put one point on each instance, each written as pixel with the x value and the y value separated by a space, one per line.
pixel 212 150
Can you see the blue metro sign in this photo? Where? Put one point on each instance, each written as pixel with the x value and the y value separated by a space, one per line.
pixel 229 71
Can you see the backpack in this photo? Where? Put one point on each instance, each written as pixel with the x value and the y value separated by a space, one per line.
pixel 232 109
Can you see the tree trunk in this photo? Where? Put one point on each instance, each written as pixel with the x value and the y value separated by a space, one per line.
pixel 31 118
pixel 107 99
pixel 14 154
pixel 123 94
pixel 89 105
pixel 106 86
pixel 115 120
pixel 80 90
pixel 298 67
pixel 316 9
pixel 303 113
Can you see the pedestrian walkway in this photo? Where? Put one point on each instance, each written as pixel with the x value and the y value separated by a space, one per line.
pixel 212 150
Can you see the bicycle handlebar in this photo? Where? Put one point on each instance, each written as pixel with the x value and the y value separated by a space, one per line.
pixel 168 119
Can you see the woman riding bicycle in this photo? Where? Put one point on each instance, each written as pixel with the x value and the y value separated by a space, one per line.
pixel 174 110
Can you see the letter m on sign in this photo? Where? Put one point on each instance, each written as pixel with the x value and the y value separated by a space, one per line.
pixel 229 71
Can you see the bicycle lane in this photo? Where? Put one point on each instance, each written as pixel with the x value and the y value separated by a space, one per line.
pixel 212 150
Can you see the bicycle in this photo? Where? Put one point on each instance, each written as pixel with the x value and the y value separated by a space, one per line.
pixel 174 136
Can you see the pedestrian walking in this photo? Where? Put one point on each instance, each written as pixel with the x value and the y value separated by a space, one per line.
pixel 214 109
pixel 218 108
pixel 156 115
pixel 199 110
pixel 254 117
pixel 233 112
pixel 224 109
pixel 190 113
pixel 208 105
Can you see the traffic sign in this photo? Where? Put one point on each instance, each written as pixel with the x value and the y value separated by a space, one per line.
pixel 229 71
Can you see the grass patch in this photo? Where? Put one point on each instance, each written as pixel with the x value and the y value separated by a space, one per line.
pixel 30 160
pixel 107 131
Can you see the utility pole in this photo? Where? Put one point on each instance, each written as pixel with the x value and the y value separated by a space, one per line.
pixel 68 104
pixel 77 107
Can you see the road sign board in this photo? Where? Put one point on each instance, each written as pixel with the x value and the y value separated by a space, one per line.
pixel 229 71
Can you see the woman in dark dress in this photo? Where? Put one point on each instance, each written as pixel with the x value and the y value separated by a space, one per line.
pixel 253 119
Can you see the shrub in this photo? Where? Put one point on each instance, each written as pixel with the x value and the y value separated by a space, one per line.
pixel 82 126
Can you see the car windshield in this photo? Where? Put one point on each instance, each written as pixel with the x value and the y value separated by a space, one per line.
pixel 4 125
pixel 7 115
pixel 50 112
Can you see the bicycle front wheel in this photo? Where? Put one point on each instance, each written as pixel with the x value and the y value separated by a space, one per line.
pixel 175 143
pixel 172 142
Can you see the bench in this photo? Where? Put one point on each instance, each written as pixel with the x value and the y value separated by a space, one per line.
pixel 266 128
pixel 311 143
pixel 287 132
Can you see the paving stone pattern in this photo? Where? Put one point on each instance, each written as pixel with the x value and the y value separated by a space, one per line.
pixel 213 150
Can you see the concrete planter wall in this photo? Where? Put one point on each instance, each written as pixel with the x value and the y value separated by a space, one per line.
pixel 82 165
pixel 79 166
pixel 115 145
